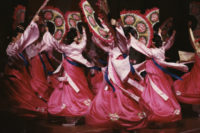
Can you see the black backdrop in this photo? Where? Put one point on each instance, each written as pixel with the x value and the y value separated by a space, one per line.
pixel 178 9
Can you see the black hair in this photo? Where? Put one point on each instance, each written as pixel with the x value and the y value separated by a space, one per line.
pixel 156 27
pixel 19 29
pixel 71 35
pixel 51 27
pixel 157 40
pixel 131 30
pixel 79 26
pixel 194 21
pixel 134 54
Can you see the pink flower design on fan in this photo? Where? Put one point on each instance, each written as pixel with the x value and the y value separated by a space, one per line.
pixel 72 23
pixel 141 27
pixel 58 21
pixel 92 21
pixel 48 15
pixel 154 17
pixel 76 17
pixel 129 20
pixel 88 9
pixel 58 34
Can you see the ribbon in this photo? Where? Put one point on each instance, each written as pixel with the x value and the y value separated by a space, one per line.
pixel 49 60
pixel 72 62
pixel 166 71
pixel 26 63
pixel 44 66
pixel 102 62
pixel 107 80
pixel 95 68
pixel 132 68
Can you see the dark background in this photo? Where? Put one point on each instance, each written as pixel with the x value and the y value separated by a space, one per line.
pixel 178 9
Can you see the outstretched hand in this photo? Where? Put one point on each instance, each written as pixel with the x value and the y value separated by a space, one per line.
pixel 36 18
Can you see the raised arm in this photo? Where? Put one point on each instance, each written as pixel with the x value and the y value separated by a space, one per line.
pixel 170 41
pixel 192 39
pixel 30 35
pixel 140 47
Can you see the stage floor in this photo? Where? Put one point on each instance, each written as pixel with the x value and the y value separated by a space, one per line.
pixel 15 124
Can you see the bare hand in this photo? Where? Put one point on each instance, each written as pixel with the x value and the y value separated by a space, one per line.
pixel 36 18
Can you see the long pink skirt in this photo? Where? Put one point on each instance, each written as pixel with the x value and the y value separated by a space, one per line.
pixel 64 100
pixel 188 89
pixel 160 110
pixel 21 96
pixel 39 80
pixel 110 109
pixel 95 80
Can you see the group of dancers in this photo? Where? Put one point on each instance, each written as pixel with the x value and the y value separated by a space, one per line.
pixel 107 89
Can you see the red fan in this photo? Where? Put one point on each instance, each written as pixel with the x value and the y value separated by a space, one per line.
pixel 19 15
pixel 72 18
pixel 55 16
pixel 104 33
pixel 152 15
pixel 138 22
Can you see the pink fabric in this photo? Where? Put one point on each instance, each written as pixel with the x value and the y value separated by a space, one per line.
pixel 65 101
pixel 159 109
pixel 188 89
pixel 95 81
pixel 115 108
pixel 20 93
pixel 162 110
pixel 39 80
pixel 30 35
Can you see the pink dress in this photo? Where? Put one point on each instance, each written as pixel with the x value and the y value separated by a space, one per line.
pixel 188 89
pixel 114 104
pixel 20 92
pixel 41 68
pixel 72 97
pixel 158 96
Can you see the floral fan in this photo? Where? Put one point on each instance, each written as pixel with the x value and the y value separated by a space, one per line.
pixel 142 26
pixel 72 18
pixel 55 16
pixel 104 33
pixel 19 15
pixel 152 15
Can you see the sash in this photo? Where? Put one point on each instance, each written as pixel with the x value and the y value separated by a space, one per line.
pixel 166 71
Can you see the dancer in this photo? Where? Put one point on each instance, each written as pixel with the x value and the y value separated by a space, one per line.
pixel 157 95
pixel 41 66
pixel 115 103
pixel 72 97
pixel 188 89
pixel 19 89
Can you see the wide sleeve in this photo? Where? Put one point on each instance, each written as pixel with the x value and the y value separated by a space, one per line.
pixel 50 40
pixel 121 39
pixel 83 42
pixel 178 66
pixel 140 47
pixel 170 42
pixel 30 35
